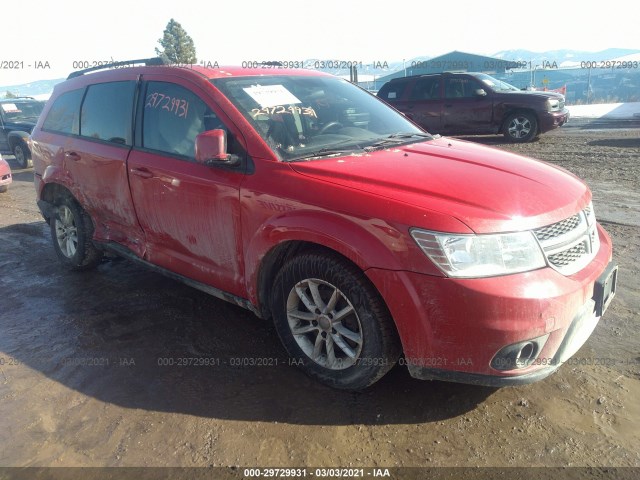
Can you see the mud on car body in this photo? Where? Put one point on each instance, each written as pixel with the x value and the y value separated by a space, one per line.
pixel 312 203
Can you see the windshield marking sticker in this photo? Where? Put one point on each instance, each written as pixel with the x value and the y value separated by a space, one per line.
pixel 177 106
pixel 271 95
pixel 10 108
pixel 282 109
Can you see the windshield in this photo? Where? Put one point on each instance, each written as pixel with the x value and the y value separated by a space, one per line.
pixel 304 117
pixel 20 111
pixel 495 84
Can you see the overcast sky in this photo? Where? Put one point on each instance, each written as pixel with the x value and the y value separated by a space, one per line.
pixel 63 31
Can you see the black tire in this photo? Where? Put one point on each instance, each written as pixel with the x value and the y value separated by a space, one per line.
pixel 357 322
pixel 4 188
pixel 520 127
pixel 23 155
pixel 72 233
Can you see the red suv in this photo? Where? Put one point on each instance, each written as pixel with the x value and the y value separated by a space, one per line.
pixel 310 202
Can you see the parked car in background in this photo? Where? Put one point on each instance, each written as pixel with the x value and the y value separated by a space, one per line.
pixel 475 104
pixel 18 116
pixel 308 201
pixel 5 175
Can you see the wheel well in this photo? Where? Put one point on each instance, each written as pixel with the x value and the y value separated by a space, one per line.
pixel 53 191
pixel 276 257
pixel 13 140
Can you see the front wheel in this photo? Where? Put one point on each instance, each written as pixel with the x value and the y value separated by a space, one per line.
pixel 72 231
pixel 333 322
pixel 23 156
pixel 521 127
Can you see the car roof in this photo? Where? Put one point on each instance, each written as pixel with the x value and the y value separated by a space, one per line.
pixel 207 72
pixel 426 75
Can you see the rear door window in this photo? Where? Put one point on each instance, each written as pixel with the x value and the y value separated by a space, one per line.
pixel 426 88
pixel 107 112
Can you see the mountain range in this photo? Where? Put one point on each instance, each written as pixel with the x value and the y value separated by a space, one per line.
pixel 563 58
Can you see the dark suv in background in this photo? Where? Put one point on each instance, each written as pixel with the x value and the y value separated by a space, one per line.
pixel 475 103
pixel 18 116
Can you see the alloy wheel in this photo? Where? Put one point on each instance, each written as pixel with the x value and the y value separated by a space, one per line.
pixel 324 324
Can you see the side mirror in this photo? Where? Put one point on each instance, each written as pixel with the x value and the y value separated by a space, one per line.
pixel 211 149
pixel 480 92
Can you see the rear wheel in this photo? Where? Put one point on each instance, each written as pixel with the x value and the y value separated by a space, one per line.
pixel 4 188
pixel 72 231
pixel 23 157
pixel 333 322
pixel 521 127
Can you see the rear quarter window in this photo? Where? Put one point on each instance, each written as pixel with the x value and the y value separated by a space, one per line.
pixel 392 91
pixel 64 114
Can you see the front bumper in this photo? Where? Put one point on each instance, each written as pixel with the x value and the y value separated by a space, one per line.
pixel 550 120
pixel 451 329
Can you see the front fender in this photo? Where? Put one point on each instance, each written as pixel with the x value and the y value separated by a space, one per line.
pixel 15 137
pixel 366 242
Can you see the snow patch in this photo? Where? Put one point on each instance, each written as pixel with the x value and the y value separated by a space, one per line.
pixel 606 110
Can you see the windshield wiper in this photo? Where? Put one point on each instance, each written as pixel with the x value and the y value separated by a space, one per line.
pixel 323 152
pixel 410 135
pixel 395 139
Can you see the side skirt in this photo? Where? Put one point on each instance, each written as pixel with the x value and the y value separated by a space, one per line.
pixel 124 252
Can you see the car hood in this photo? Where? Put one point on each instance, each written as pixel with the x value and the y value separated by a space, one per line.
pixel 22 125
pixel 489 190
pixel 533 93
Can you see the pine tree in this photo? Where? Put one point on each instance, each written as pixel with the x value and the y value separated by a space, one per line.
pixel 177 46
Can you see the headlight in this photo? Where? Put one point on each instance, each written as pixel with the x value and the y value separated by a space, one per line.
pixel 481 255
pixel 553 105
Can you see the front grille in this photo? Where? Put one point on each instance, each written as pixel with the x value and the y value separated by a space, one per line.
pixel 557 229
pixel 569 245
pixel 569 256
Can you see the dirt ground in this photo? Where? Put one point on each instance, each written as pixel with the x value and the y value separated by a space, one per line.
pixel 80 383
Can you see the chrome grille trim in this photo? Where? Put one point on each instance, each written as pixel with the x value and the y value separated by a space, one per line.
pixel 569 245
pixel 557 229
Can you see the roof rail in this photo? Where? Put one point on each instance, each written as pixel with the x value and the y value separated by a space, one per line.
pixel 125 63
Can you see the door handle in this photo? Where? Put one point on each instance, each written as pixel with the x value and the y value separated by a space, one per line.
pixel 72 156
pixel 141 172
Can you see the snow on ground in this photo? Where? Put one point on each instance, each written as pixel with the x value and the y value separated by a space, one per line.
pixel 606 110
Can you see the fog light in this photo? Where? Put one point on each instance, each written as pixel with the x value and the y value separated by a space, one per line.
pixel 518 355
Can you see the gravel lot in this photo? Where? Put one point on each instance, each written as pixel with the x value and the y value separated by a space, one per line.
pixel 80 383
